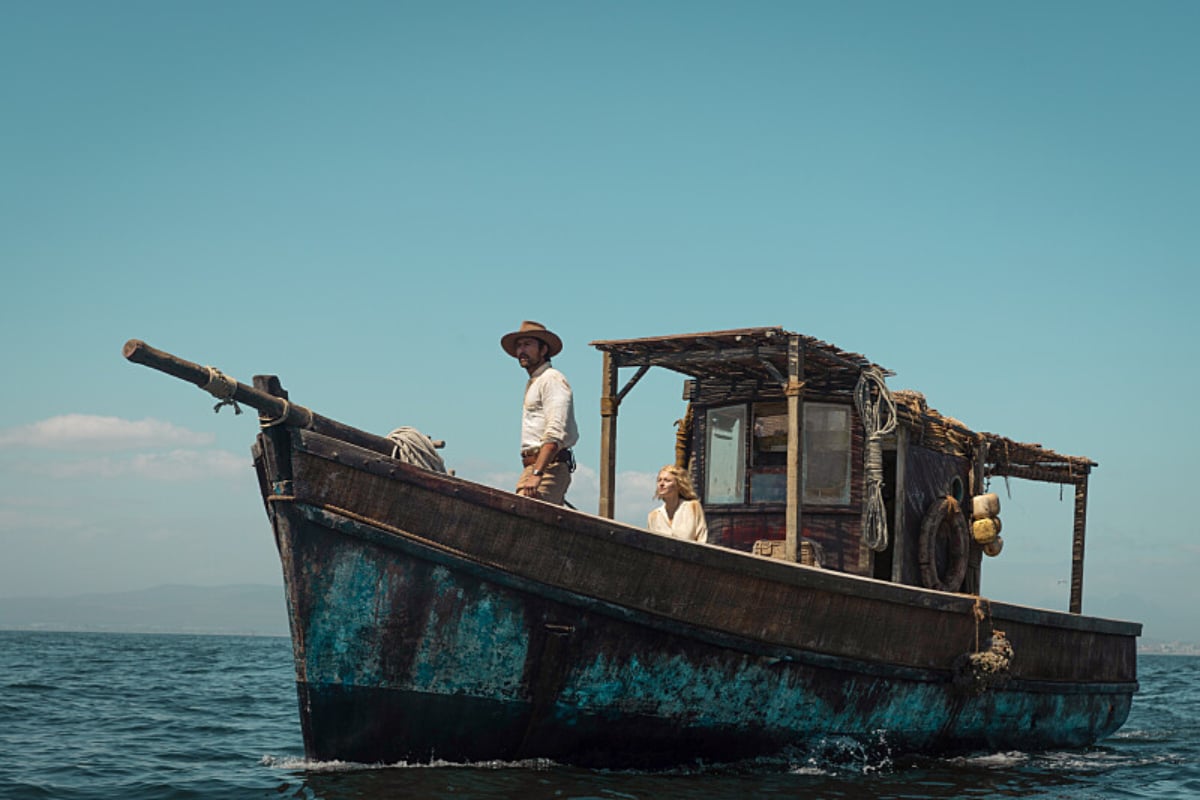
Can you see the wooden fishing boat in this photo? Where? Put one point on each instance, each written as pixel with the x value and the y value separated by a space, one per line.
pixel 437 618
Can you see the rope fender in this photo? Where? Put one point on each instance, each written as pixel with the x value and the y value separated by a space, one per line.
pixel 976 673
pixel 944 520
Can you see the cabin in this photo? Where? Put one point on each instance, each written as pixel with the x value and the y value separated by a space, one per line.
pixel 799 450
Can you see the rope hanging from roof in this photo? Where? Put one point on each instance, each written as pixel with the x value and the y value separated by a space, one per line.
pixel 683 439
pixel 878 413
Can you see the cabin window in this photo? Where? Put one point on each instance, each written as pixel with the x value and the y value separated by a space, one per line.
pixel 726 455
pixel 768 473
pixel 826 454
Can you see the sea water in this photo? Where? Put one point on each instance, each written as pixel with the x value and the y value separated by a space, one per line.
pixel 127 716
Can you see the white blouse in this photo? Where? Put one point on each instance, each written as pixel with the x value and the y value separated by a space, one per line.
pixel 688 522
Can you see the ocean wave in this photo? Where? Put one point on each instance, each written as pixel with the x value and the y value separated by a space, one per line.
pixel 1002 760
pixel 294 763
pixel 1100 760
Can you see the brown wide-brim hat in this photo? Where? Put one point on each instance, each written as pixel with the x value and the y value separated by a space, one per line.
pixel 532 330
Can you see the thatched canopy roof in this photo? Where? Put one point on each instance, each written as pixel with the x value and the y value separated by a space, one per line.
pixel 759 356
pixel 1002 456
pixel 742 356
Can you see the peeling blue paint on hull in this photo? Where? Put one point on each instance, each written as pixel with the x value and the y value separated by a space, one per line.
pixel 407 660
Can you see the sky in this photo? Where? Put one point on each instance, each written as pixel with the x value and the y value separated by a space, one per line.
pixel 997 201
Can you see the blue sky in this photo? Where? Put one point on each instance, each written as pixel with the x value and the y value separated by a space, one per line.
pixel 996 201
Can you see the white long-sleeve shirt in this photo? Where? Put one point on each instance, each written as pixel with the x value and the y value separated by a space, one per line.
pixel 688 522
pixel 549 411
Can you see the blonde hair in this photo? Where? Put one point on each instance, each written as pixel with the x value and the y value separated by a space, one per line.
pixel 682 480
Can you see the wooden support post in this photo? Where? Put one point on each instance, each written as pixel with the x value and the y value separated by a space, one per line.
pixel 277 457
pixel 608 437
pixel 899 537
pixel 794 390
pixel 974 581
pixel 1077 545
pixel 979 468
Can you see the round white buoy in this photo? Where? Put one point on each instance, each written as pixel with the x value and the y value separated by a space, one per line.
pixel 985 505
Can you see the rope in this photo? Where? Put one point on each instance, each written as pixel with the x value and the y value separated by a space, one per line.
pixel 683 438
pixel 980 615
pixel 222 387
pixel 987 667
pixel 265 423
pixel 414 447
pixel 304 416
pixel 878 414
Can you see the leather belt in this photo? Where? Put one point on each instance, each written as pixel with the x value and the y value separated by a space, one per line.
pixel 530 456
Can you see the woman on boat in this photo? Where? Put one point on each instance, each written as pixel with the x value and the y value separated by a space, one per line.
pixel 681 514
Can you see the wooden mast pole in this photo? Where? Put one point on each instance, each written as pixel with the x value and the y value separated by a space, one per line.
pixel 1081 483
pixel 794 390
pixel 274 409
pixel 608 437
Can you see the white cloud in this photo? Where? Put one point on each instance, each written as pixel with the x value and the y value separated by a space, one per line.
pixel 635 496
pixel 91 432
pixel 176 465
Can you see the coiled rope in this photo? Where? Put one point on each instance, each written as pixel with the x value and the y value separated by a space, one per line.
pixel 414 447
pixel 878 413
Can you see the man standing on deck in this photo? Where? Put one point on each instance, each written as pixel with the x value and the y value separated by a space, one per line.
pixel 548 430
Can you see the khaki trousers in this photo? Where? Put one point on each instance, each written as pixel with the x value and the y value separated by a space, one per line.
pixel 556 479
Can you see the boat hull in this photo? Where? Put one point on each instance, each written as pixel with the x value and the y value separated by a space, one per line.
pixel 436 619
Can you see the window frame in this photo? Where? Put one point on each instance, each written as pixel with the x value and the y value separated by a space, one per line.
pixel 846 493
pixel 748 461
pixel 738 437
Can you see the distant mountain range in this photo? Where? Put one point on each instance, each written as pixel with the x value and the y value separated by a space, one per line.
pixel 242 609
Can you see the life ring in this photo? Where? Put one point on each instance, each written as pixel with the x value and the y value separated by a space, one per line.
pixel 944 520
